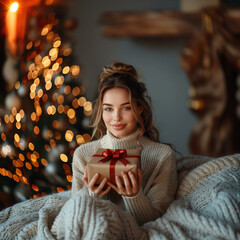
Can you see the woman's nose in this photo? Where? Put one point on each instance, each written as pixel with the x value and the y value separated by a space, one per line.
pixel 117 115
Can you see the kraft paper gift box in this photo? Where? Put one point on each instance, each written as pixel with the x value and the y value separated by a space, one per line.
pixel 110 163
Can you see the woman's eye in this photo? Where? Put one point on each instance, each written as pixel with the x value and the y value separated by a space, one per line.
pixel 107 109
pixel 127 108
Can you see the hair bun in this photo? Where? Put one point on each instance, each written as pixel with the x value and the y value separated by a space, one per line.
pixel 120 68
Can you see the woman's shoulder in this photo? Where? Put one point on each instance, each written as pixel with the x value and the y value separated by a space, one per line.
pixel 87 149
pixel 157 147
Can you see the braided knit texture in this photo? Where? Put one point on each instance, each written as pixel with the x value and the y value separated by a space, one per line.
pixel 206 206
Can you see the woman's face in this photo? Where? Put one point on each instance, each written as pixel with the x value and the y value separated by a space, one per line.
pixel 117 113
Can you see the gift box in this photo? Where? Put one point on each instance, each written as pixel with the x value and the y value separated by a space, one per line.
pixel 110 163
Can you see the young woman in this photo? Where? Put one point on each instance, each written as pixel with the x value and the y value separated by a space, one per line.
pixel 122 119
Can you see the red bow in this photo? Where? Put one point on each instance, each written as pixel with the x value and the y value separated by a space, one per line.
pixel 118 155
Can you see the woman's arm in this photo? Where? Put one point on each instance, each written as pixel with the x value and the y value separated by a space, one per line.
pixel 153 204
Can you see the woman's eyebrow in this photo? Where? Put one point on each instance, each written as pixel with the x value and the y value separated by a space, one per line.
pixel 108 104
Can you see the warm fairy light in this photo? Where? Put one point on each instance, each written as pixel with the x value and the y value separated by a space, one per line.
pixel 57 43
pixel 21 157
pixel 40 93
pixel 29 45
pixel 3 136
pixel 69 135
pixel 18 172
pixel 59 81
pixel 18 117
pixel 53 51
pixel 52 143
pixel 47 148
pixel 46 61
pixel 69 178
pixel 63 157
pixel 31 68
pixel 17 85
pixel 6 150
pixel 33 116
pixel 35 164
pixel 59 189
pixel 14 7
pixel 35 188
pixel 45 97
pixel 67 52
pixel 44 162
pixel 72 120
pixel 75 70
pixel 48 85
pixel 50 36
pixel 16 137
pixel 6 118
pixel 59 61
pixel 55 66
pixel 67 89
pixel 11 118
pixel 76 91
pixel 58 135
pixel 66 70
pixel 87 113
pixel 80 139
pixel 18 125
pixel 36 81
pixel 87 137
pixel 20 163
pixel 38 59
pixel 14 111
pixel 28 165
pixel 51 110
pixel 71 113
pixel 82 101
pixel 36 130
pixel 33 158
pixel 87 106
pixel 75 103
pixel 29 76
pixel 15 178
pixel 22 113
pixel 66 107
pixel 31 146
pixel 46 29
pixel 60 108
pixel 24 179
pixel 33 87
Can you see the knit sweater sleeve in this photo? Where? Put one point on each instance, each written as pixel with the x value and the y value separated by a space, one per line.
pixel 80 158
pixel 152 203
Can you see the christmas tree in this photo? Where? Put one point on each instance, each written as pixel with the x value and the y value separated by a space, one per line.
pixel 46 115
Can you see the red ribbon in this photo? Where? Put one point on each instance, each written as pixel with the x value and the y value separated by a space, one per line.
pixel 118 155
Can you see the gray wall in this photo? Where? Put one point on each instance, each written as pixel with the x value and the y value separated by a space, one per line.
pixel 156 59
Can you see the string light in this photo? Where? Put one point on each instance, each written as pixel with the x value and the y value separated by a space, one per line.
pixel 51 91
pixel 14 7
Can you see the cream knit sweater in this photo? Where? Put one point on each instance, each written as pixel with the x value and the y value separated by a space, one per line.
pixel 158 166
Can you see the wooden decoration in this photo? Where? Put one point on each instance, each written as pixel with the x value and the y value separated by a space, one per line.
pixel 161 23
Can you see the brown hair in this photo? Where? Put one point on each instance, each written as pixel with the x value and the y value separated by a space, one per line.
pixel 121 75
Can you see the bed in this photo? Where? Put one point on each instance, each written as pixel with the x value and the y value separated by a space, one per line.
pixel 206 206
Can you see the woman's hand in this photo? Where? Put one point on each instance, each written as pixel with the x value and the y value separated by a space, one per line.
pixel 128 186
pixel 98 189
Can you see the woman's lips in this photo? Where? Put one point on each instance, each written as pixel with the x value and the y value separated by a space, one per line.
pixel 118 126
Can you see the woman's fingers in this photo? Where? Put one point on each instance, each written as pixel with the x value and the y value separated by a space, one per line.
pixel 139 178
pixel 85 176
pixel 91 184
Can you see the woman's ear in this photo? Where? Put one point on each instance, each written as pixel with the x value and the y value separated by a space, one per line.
pixel 140 110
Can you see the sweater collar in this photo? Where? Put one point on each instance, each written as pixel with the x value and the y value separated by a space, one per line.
pixel 129 142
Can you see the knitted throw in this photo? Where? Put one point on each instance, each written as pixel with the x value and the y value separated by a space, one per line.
pixel 207 206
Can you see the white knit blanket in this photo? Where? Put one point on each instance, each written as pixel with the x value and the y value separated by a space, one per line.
pixel 207 206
